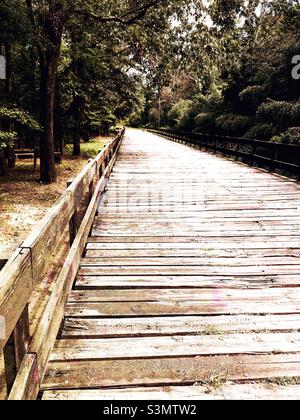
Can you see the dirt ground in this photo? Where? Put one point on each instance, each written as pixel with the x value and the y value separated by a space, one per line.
pixel 24 201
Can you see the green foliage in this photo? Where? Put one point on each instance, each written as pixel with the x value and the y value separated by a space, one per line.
pixel 291 136
pixel 206 123
pixel 238 70
pixel 280 113
pixel 261 131
pixel 19 116
pixel 253 96
pixel 232 123
pixel 7 139
pixel 179 115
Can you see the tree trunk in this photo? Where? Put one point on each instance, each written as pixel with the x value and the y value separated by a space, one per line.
pixel 76 144
pixel 49 64
pixel 11 157
pixel 51 24
pixel 3 163
pixel 58 128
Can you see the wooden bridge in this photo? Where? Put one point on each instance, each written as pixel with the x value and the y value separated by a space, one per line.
pixel 183 283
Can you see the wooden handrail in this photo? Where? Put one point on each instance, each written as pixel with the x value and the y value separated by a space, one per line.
pixel 26 270
pixel 274 156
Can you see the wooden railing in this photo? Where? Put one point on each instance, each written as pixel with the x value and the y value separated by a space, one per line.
pixel 24 347
pixel 272 156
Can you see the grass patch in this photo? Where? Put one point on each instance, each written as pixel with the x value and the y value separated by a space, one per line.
pixel 211 330
pixel 215 381
pixel 91 149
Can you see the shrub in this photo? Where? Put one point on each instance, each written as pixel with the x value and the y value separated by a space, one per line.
pixel 291 136
pixel 253 96
pixel 180 115
pixel 280 113
pixel 205 122
pixel 235 125
pixel 261 131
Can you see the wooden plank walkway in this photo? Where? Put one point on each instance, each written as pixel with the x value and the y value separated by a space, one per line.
pixel 189 284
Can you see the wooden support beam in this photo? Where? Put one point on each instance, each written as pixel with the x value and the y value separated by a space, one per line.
pixel 3 386
pixel 21 337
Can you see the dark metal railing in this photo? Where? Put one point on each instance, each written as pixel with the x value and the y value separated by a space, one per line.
pixel 269 155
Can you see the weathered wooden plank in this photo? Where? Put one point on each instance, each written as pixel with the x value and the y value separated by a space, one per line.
pixel 199 209
pixel 191 240
pixel 208 215
pixel 173 294
pixel 181 307
pixel 230 261
pixel 272 270
pixel 130 348
pixel 186 281
pixel 26 386
pixel 212 325
pixel 160 232
pixel 139 255
pixel 186 370
pixel 210 247
pixel 152 225
pixel 226 392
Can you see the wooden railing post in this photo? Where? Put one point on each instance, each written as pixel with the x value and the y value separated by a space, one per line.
pixel 73 223
pixel 224 142
pixel 237 150
pixel 73 227
pixel 91 190
pixel 3 385
pixel 253 154
pixel 15 350
pixel 274 158
pixel 21 337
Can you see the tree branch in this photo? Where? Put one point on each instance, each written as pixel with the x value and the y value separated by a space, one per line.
pixel 139 13
pixel 30 12
pixel 34 25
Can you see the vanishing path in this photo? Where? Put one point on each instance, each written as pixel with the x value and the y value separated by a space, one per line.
pixel 190 276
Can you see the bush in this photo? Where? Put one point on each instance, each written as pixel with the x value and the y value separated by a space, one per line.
pixel 261 132
pixel 280 113
pixel 291 136
pixel 153 117
pixel 235 125
pixel 180 116
pixel 253 96
pixel 206 123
